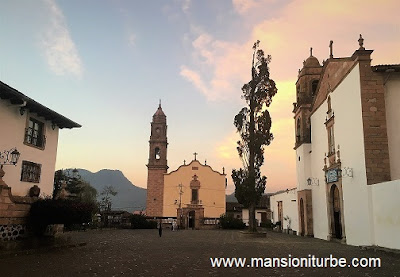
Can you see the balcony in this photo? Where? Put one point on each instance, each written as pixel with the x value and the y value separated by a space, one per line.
pixel 195 203
pixel 34 138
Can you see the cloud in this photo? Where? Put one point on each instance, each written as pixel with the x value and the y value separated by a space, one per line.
pixel 132 39
pixel 224 66
pixel 59 49
pixel 186 6
pixel 247 6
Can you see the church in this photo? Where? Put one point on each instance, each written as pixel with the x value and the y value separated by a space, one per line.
pixel 193 194
pixel 347 149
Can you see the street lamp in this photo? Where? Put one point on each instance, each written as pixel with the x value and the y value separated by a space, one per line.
pixel 8 157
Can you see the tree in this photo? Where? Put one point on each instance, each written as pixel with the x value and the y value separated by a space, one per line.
pixel 253 123
pixel 106 201
pixel 76 188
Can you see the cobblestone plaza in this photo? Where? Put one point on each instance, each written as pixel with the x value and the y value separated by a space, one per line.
pixel 185 253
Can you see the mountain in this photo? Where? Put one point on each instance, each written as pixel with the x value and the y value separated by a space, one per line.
pixel 231 198
pixel 129 197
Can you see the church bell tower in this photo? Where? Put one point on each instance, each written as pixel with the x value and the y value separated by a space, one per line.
pixel 157 164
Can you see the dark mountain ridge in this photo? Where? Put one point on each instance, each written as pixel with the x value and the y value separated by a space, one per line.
pixel 129 197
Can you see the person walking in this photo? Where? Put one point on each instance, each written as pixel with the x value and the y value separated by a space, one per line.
pixel 160 228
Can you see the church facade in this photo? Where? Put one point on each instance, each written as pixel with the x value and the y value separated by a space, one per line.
pixel 193 194
pixel 347 149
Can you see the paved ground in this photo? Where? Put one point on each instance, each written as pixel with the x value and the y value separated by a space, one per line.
pixel 185 253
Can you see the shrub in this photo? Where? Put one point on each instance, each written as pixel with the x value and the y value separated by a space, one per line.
pixel 60 211
pixel 229 222
pixel 267 224
pixel 139 221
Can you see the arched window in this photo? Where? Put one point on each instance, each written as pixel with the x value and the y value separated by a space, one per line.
pixel 157 153
pixel 298 130
pixel 314 86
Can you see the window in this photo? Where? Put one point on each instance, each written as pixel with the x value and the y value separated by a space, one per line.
pixel 157 153
pixel 331 140
pixel 298 130
pixel 34 134
pixel 329 105
pixel 314 86
pixel 195 195
pixel 30 172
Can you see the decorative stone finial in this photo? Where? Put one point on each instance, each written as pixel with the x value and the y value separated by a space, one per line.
pixel 310 51
pixel 205 162
pixel 361 43
pixel 331 49
pixel 223 170
pixel 159 104
pixel 195 156
pixel 184 162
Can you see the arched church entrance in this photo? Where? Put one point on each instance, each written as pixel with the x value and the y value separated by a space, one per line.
pixel 192 219
pixel 302 223
pixel 336 208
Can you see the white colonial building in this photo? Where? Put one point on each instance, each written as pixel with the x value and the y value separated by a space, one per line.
pixel 32 129
pixel 284 209
pixel 347 150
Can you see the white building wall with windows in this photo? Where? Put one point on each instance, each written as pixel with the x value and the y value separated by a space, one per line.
pixel 370 212
pixel 289 208
pixel 348 135
pixel 13 126
pixel 32 129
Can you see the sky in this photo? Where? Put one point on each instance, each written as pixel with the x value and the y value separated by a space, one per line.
pixel 106 65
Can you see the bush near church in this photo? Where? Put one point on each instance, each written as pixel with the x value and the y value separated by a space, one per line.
pixel 229 222
pixel 139 221
pixel 59 211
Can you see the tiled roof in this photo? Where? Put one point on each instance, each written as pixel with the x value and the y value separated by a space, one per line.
pixel 386 68
pixel 18 98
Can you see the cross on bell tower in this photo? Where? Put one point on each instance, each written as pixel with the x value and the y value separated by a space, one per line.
pixel 157 164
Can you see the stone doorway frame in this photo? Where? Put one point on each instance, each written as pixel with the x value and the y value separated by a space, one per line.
pixel 183 215
pixel 302 218
pixel 330 188
pixel 305 196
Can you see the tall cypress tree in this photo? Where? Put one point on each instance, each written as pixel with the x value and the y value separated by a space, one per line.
pixel 253 123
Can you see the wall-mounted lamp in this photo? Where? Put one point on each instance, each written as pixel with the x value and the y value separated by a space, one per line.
pixel 345 172
pixel 313 181
pixel 7 157
pixel 21 111
pixel 53 126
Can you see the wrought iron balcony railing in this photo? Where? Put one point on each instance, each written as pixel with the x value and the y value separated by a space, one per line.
pixel 35 138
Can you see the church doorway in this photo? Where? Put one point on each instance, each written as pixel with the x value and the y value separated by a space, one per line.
pixel 336 207
pixel 192 217
pixel 302 224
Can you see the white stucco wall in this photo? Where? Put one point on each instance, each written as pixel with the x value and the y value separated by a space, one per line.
pixel 392 102
pixel 211 192
pixel 348 134
pixel 245 215
pixel 303 168
pixel 386 215
pixel 12 128
pixel 319 146
pixel 289 208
